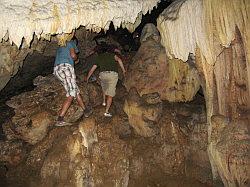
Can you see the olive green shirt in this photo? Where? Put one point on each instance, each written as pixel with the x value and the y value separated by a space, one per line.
pixel 106 62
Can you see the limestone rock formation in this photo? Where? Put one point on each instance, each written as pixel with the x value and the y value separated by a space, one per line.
pixel 35 111
pixel 217 33
pixel 142 117
pixel 23 19
pixel 197 28
pixel 70 164
pixel 151 71
pixel 12 152
pixel 11 58
pixel 87 129
pixel 29 21
pixel 229 150
pixel 102 151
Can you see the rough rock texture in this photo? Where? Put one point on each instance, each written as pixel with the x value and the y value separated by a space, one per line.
pixel 11 58
pixel 151 71
pixel 217 32
pixel 101 151
pixel 23 19
pixel 12 152
pixel 29 122
pixel 70 164
pixel 23 22
pixel 142 117
pixel 229 150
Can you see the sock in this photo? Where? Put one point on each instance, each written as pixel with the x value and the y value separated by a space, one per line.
pixel 60 118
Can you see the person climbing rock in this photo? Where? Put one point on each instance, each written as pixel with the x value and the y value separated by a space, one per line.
pixel 66 57
pixel 107 60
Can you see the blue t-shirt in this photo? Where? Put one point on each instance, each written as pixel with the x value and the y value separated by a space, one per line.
pixel 63 53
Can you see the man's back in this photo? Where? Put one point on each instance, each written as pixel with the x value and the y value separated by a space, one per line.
pixel 63 53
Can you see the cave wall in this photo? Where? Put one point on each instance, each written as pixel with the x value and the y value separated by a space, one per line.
pixel 217 32
pixel 209 29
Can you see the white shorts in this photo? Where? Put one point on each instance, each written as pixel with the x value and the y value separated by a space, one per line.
pixel 66 74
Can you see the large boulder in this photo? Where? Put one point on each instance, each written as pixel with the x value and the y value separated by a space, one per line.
pixel 151 71
pixel 142 116
pixel 36 110
pixel 71 162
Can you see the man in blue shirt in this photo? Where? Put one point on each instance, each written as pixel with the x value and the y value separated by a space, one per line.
pixel 66 57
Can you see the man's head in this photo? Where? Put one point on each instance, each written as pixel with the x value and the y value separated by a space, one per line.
pixel 75 40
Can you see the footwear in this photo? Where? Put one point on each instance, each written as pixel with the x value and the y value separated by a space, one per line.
pixel 107 114
pixel 92 78
pixel 62 123
pixel 87 112
pixel 103 104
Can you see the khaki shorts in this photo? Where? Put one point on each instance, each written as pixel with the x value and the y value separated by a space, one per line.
pixel 108 82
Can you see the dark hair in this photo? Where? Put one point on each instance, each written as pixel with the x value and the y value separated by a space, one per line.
pixel 75 40
pixel 103 48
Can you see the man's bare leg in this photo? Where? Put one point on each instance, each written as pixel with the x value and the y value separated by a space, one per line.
pixel 87 111
pixel 80 101
pixel 66 106
pixel 109 102
pixel 104 99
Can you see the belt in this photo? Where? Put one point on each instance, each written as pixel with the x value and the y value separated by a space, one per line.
pixel 108 72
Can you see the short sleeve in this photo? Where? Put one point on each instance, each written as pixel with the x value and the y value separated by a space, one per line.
pixel 72 44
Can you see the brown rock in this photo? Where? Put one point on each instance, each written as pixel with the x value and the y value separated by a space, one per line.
pixel 152 72
pixel 87 128
pixel 142 116
pixel 229 150
pixel 34 128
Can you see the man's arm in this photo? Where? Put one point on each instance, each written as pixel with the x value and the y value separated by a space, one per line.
pixel 121 64
pixel 91 72
pixel 73 54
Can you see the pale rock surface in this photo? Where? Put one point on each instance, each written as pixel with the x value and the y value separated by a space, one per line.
pixel 87 128
pixel 187 24
pixel 70 163
pixel 11 58
pixel 149 30
pixel 217 32
pixel 24 18
pixel 151 71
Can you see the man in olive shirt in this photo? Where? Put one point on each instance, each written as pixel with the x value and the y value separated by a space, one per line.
pixel 108 62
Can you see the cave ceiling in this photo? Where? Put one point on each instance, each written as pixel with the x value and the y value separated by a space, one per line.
pixel 22 19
